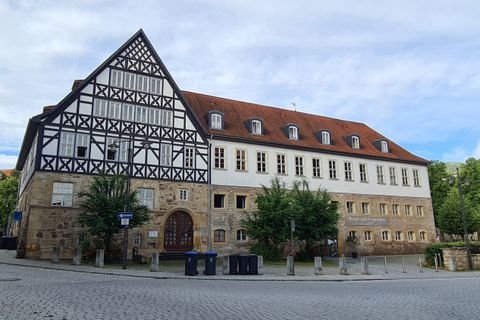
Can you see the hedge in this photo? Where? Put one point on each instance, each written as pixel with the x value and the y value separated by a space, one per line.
pixel 431 250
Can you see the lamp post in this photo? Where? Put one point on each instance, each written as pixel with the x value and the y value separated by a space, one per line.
pixel 114 146
pixel 464 219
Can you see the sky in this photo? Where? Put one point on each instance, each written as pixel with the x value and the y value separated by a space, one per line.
pixel 408 69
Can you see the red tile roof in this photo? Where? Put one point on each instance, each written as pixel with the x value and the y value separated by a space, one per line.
pixel 236 113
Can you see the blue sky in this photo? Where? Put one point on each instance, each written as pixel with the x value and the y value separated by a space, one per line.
pixel 408 69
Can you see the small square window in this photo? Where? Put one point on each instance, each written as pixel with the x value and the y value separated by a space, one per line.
pixel 219 235
pixel 183 194
pixel 350 207
pixel 241 235
pixel 241 202
pixel 219 201
pixel 368 235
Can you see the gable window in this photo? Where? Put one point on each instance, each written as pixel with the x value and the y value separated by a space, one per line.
pixel 82 145
pixel 189 157
pixel 128 112
pixel 67 140
pixel 326 137
pixel 420 211
pixel 219 235
pixel 241 202
pixel 398 235
pixel 219 160
pixel 348 171
pixel 380 177
pixel 142 83
pixel 154 116
pixel 183 194
pixel 317 167
pixel 363 172
pixel 292 132
pixel 405 176
pixel 299 166
pixel 350 207
pixel 141 114
pixel 137 239
pixel 383 209
pixel 411 236
pixel 100 108
pixel 114 110
pixel 385 235
pixel 129 81
pixel 355 142
pixel 166 118
pixel 216 120
pixel 241 235
pixel 261 162
pixel 165 154
pixel 219 201
pixel 384 146
pixel 281 164
pixel 367 235
pixel 393 175
pixel 332 169
pixel 155 86
pixel 145 197
pixel 256 127
pixel 416 178
pixel 365 208
pixel 116 77
pixel 62 194
pixel 241 159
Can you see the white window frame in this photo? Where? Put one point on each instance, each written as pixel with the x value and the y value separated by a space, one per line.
pixel 241 235
pixel 395 209
pixel 240 159
pixel 62 194
pixel 128 112
pixel 156 86
pixel 166 118
pixel 384 146
pixel 129 81
pixel 154 116
pixel 326 137
pixel 143 83
pixel 183 194
pixel 141 114
pixel 67 144
pixel 355 142
pixel 422 235
pixel 299 166
pixel 380 175
pixel 393 176
pixel 411 236
pixel 398 236
pixel 420 211
pixel 332 169
pixel 405 181
pixel 408 210
pixel 256 127
pixel 261 162
pixel 114 110
pixel 116 78
pixel 282 163
pixel 350 205
pixel 367 235
pixel 145 197
pixel 366 208
pixel 363 172
pixel 165 154
pixel 416 178
pixel 385 235
pixel 317 167
pixel 82 140
pixel 292 133
pixel 189 157
pixel 223 197
pixel 383 209
pixel 216 121
pixel 219 158
pixel 100 108
pixel 348 166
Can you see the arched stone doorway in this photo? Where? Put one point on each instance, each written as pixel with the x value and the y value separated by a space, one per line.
pixel 178 232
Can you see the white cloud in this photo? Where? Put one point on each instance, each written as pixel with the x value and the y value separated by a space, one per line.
pixel 7 161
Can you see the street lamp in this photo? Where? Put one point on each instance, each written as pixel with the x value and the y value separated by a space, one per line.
pixel 114 146
pixel 464 219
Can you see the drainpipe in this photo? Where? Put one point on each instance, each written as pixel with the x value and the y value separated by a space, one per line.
pixel 209 205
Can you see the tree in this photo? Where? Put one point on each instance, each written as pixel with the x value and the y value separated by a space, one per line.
pixel 8 198
pixel 470 177
pixel 439 185
pixel 450 219
pixel 106 196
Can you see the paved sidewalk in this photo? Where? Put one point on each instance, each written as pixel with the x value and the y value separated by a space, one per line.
pixel 271 272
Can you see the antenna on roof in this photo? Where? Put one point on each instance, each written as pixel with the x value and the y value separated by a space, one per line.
pixel 294 105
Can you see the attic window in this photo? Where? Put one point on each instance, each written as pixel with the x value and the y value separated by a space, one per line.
pixel 256 127
pixel 384 146
pixel 292 132
pixel 326 137
pixel 355 142
pixel 216 121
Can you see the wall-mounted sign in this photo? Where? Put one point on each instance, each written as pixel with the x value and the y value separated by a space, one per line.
pixel 365 221
pixel 17 215
pixel 153 234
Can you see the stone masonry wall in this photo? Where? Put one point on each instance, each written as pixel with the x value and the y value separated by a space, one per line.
pixel 460 257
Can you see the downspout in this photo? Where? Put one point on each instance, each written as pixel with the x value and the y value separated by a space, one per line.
pixel 209 202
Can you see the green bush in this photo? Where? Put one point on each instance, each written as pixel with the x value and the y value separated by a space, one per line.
pixel 431 250
pixel 269 252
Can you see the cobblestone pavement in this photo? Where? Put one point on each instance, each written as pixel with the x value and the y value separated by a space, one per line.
pixel 36 293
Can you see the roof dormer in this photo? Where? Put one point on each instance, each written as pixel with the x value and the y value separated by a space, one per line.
pixel 324 136
pixel 292 131
pixel 255 126
pixel 382 145
pixel 353 141
pixel 215 120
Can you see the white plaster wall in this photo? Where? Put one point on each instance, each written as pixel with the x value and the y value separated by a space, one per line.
pixel 250 178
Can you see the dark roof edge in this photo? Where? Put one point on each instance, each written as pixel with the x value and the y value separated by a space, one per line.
pixel 32 127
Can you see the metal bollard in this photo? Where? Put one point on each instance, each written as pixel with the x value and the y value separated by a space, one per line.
pixel 404 269
pixel 290 266
pixel 226 265
pixel 155 263
pixel 385 264
pixel 77 258
pixel 342 265
pixel 99 258
pixel 56 255
pixel 436 262
pixel 260 264
pixel 364 263
pixel 420 264
pixel 318 266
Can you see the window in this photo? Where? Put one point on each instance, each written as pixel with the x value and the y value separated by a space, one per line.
pixel 405 176
pixel 261 162
pixel 141 114
pixel 154 116
pixel 393 175
pixel 293 132
pixel 383 209
pixel 166 118
pixel 281 164
pixel 219 235
pixel 398 235
pixel 137 239
pixel 219 158
pixel 332 169
pixel 317 167
pixel 241 159
pixel 385 235
pixel 348 171
pixel 128 112
pixel 100 108
pixel 123 152
pixel 395 210
pixel 189 157
pixel 116 78
pixel 380 177
pixel 83 141
pixel 420 211
pixel 241 235
pixel 120 153
pixel 408 211
pixel 363 172
pixel 326 137
pixel 352 234
pixel 241 202
pixel 350 207
pixel 114 110
pixel 367 235
pixel 62 194
pixel 81 238
pixel 129 81
pixel 416 178
pixel 355 142
pixel 365 208
pixel 156 86
pixel 183 194
pixel 384 146
pixel 216 121
pixel 142 83
pixel 411 236
pixel 423 235
pixel 219 201
pixel 67 140
pixel 165 154
pixel 256 127
pixel 145 197
pixel 299 166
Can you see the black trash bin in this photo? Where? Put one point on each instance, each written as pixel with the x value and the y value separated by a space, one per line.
pixel 210 263
pixel 233 263
pixel 243 265
pixel 253 264
pixel 191 263
pixel 3 243
pixel 9 243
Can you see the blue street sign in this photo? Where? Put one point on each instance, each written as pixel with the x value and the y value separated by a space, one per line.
pixel 17 215
pixel 124 215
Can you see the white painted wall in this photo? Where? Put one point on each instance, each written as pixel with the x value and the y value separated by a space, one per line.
pixel 250 178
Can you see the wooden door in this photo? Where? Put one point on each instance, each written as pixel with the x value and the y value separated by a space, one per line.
pixel 179 232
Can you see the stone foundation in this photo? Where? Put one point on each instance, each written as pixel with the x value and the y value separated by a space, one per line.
pixel 461 259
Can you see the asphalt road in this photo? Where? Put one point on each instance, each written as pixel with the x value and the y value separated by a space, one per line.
pixel 33 293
